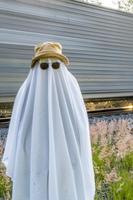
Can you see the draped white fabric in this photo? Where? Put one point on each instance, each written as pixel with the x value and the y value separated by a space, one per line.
pixel 48 148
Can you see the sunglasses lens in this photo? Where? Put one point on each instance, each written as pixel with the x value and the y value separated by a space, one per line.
pixel 56 65
pixel 44 65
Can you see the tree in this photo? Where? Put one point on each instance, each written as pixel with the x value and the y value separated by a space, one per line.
pixel 126 5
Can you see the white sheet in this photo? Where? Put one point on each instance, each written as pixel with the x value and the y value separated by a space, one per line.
pixel 48 149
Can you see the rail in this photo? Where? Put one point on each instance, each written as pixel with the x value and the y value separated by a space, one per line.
pixel 4 122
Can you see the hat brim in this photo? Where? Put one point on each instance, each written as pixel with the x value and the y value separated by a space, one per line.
pixel 61 57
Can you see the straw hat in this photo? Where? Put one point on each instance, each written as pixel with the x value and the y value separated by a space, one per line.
pixel 48 50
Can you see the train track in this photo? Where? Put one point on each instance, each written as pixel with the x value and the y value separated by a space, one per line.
pixel 4 121
pixel 110 111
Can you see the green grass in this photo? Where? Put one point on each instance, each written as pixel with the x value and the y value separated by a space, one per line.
pixel 121 188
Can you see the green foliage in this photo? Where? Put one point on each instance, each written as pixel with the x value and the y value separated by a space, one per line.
pixel 5 185
pixel 124 188
pixel 114 177
pixel 126 5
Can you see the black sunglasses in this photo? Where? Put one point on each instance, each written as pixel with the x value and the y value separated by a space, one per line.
pixel 45 65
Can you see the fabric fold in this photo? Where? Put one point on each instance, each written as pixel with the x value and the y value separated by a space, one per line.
pixel 48 150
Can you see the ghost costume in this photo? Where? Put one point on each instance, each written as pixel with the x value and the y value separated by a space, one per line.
pixel 48 148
